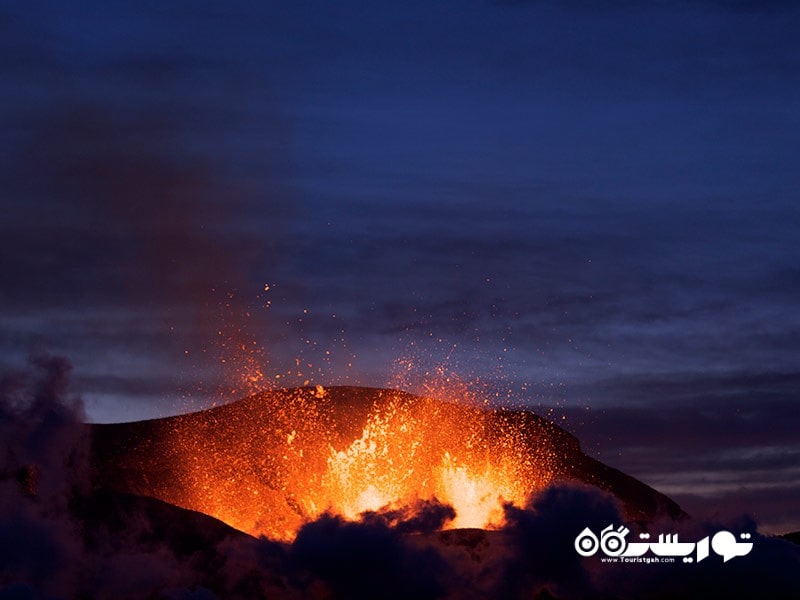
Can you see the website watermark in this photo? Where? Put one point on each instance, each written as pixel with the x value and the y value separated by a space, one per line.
pixel 667 549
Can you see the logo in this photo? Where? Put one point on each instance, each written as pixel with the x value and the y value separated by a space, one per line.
pixel 613 544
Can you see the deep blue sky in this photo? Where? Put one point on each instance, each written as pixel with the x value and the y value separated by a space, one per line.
pixel 592 204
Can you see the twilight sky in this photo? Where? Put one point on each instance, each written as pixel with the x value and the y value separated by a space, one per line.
pixel 594 205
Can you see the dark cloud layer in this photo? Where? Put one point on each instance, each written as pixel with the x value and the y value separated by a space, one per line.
pixel 595 193
pixel 718 444
pixel 362 560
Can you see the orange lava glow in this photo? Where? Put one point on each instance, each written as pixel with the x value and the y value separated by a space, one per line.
pixel 272 462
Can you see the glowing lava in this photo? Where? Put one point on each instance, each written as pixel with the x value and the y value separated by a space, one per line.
pixel 274 461
pixel 409 452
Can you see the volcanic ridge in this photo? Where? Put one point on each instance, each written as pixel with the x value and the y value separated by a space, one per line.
pixel 268 463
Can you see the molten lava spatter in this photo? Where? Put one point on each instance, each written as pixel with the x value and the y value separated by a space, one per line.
pixel 411 450
pixel 272 462
pixel 302 454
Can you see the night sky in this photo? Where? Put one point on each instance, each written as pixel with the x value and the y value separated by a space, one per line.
pixel 593 205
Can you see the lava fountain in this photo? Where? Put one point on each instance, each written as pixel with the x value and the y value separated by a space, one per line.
pixel 276 460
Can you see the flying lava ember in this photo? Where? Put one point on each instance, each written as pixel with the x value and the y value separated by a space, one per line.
pixel 274 461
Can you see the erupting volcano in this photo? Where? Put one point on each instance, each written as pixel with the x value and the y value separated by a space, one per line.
pixel 269 463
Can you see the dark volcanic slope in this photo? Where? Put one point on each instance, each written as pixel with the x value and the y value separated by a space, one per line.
pixel 209 460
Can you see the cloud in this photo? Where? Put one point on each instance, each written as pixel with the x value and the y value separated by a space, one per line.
pixel 60 539
pixel 365 560
pixel 44 464
pixel 41 430
pixel 544 559
pixel 423 516
pixel 414 189
pixel 769 569
pixel 541 536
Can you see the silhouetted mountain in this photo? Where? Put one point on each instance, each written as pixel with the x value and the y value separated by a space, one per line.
pixel 64 539
pixel 793 537
pixel 188 459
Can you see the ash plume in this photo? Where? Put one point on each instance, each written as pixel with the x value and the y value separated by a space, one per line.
pixel 174 250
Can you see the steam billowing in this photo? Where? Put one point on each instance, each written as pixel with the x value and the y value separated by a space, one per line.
pixel 62 539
